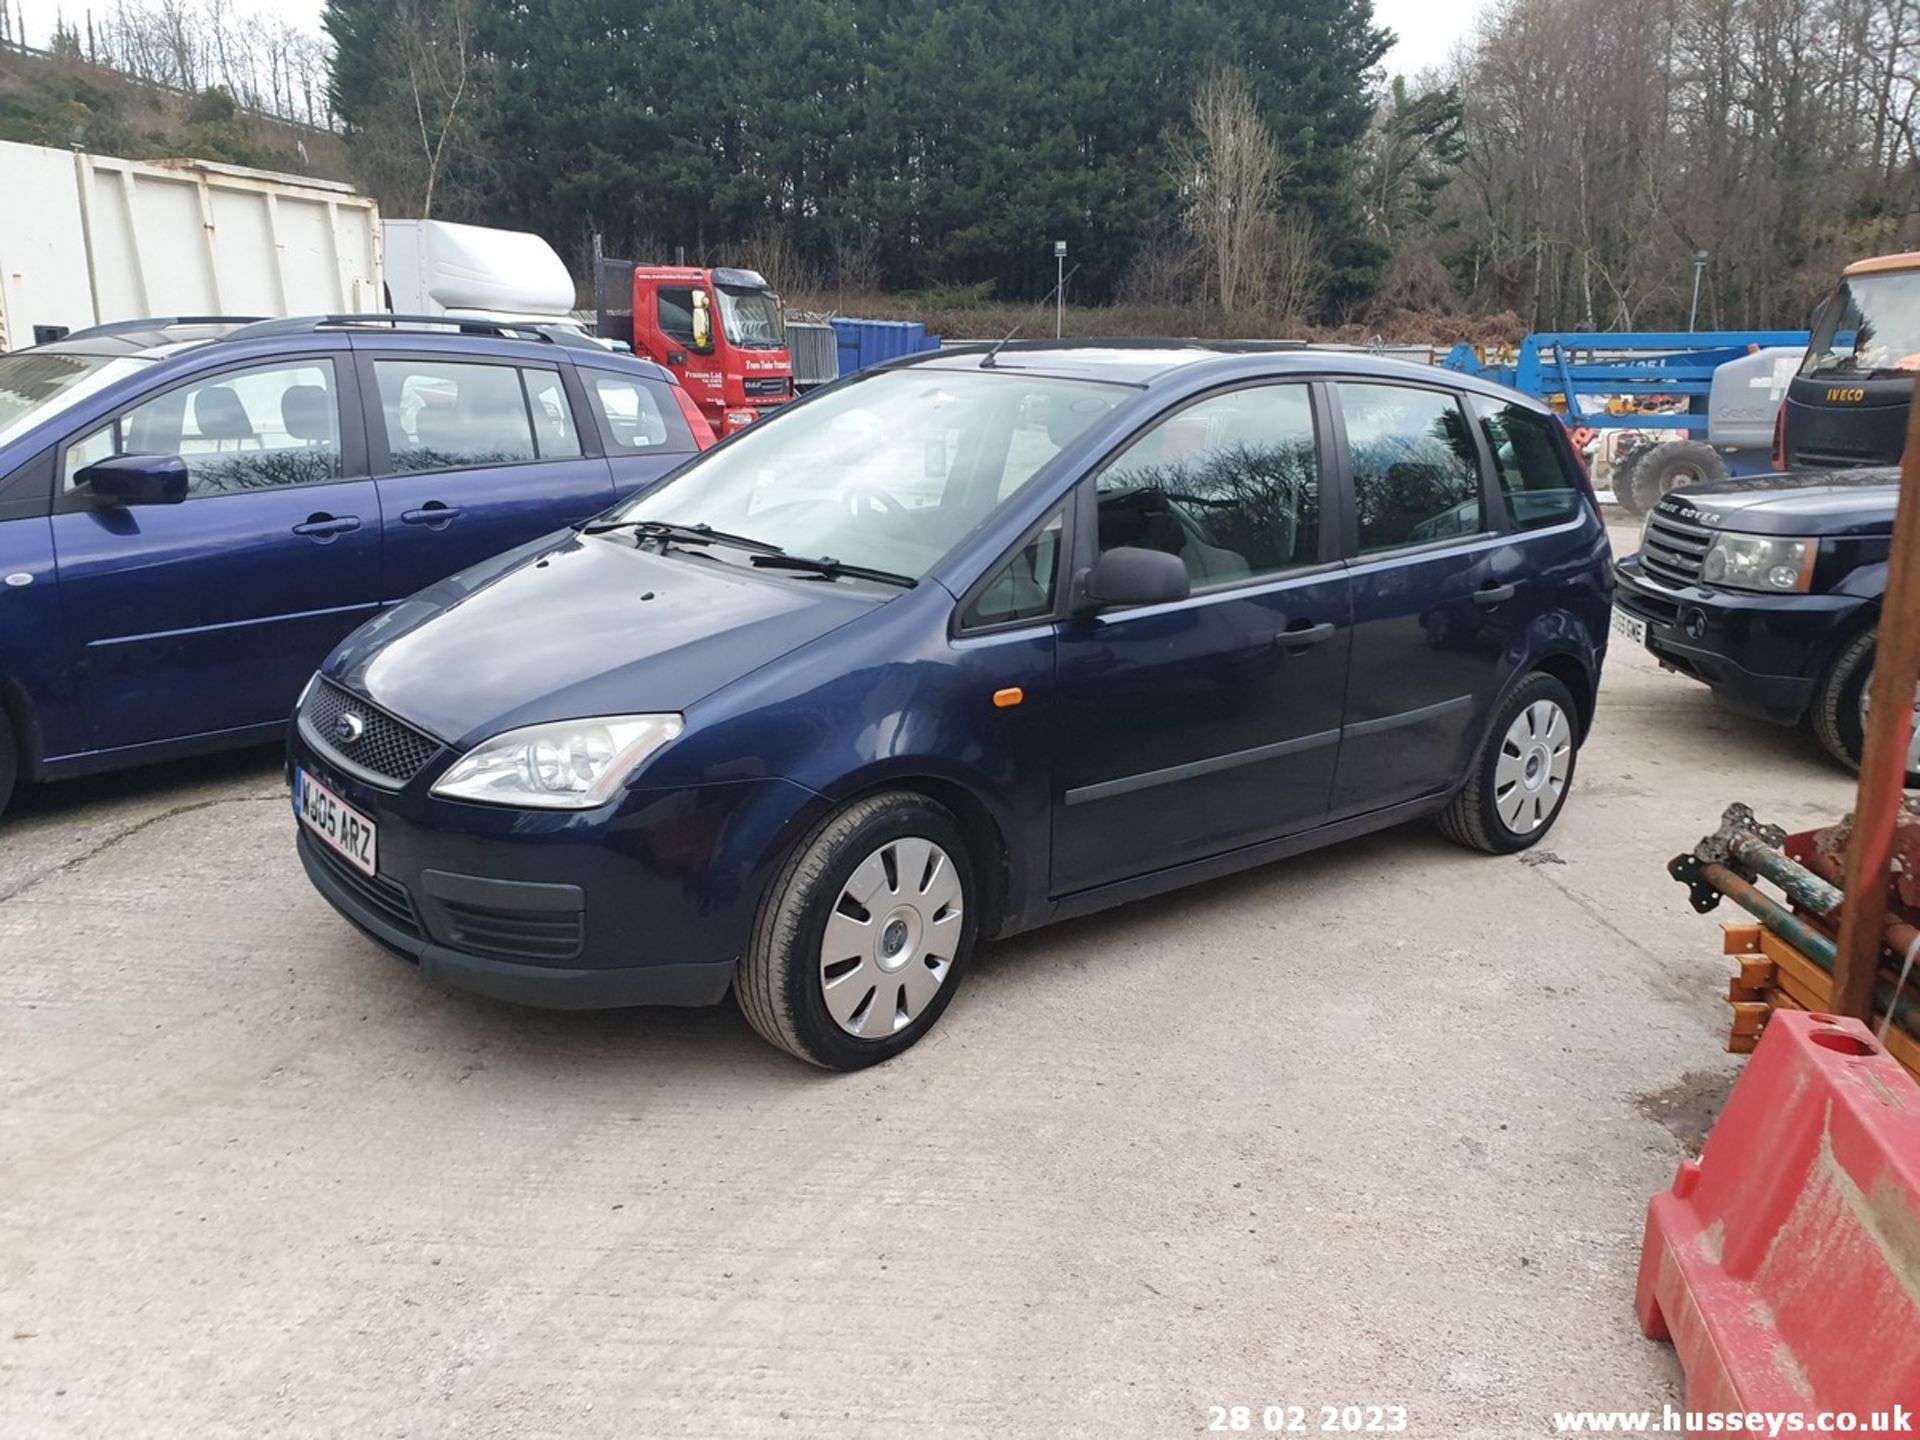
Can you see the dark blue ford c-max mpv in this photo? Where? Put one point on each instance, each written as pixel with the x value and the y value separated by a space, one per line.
pixel 952 649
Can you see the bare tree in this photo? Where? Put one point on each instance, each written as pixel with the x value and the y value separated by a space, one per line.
pixel 1228 173
pixel 439 59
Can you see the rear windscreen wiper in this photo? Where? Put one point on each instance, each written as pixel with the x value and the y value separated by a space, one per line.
pixel 682 534
pixel 832 568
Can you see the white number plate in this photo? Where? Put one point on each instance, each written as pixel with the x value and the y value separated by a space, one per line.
pixel 1631 626
pixel 341 827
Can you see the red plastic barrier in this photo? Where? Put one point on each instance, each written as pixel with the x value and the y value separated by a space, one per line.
pixel 1785 1263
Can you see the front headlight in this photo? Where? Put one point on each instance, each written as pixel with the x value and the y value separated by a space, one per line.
pixel 567 765
pixel 1760 562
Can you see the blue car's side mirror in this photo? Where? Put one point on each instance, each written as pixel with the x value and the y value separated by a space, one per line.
pixel 135 480
pixel 1132 576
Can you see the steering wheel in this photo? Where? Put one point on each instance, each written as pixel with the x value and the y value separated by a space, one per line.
pixel 879 501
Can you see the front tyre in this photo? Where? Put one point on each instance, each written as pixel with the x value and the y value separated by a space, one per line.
pixel 1523 774
pixel 862 939
pixel 1839 711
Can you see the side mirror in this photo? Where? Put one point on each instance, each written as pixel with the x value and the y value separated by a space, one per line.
pixel 702 321
pixel 135 480
pixel 1133 576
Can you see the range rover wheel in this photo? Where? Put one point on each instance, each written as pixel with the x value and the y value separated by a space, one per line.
pixel 1522 775
pixel 862 940
pixel 1839 711
pixel 9 762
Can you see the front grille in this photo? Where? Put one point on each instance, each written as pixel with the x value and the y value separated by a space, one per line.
pixel 387 752
pixel 513 935
pixel 386 899
pixel 1674 550
pixel 777 386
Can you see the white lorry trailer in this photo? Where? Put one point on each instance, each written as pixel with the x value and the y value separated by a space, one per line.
pixel 435 267
pixel 92 239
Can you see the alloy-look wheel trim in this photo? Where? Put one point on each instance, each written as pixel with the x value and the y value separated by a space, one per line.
pixel 1536 759
pixel 890 938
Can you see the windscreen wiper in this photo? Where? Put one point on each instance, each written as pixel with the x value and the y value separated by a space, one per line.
pixel 681 534
pixel 831 568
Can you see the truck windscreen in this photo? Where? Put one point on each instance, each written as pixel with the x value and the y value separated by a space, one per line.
pixel 1869 327
pixel 751 317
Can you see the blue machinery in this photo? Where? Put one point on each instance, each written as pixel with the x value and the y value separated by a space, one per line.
pixel 1651 365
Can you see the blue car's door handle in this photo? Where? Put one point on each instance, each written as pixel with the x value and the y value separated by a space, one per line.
pixel 432 513
pixel 1491 595
pixel 323 527
pixel 1301 637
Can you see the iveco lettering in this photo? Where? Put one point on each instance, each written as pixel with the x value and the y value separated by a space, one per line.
pixel 952 649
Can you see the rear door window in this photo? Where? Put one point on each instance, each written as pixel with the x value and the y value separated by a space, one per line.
pixel 553 429
pixel 1529 464
pixel 1416 472
pixel 447 415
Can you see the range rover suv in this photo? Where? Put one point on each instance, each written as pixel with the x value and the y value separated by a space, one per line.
pixel 1769 591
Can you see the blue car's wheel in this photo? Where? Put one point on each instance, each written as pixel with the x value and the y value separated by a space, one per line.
pixel 9 762
pixel 1523 774
pixel 861 942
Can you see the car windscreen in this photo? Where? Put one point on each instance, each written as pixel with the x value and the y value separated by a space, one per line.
pixel 1869 327
pixel 890 471
pixel 751 318
pixel 36 385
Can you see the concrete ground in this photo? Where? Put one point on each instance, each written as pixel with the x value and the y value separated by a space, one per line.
pixel 1373 1127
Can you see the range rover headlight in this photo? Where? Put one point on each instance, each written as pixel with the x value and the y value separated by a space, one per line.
pixel 1760 562
pixel 567 765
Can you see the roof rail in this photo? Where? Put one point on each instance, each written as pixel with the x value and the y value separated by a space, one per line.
pixel 553 334
pixel 157 322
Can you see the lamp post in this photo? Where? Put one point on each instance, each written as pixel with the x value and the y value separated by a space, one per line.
pixel 1693 311
pixel 1059 287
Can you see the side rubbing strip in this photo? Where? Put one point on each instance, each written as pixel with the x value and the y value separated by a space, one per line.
pixel 1409 717
pixel 1107 789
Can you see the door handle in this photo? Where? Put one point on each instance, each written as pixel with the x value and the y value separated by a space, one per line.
pixel 432 513
pixel 323 527
pixel 1300 637
pixel 1491 595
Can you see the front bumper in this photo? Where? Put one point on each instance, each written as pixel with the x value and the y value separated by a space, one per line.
pixel 1761 654
pixel 647 902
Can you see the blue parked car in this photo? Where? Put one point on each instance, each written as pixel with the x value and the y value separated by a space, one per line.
pixel 957 647
pixel 192 514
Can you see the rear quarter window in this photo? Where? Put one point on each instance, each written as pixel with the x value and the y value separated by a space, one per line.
pixel 636 416
pixel 1530 463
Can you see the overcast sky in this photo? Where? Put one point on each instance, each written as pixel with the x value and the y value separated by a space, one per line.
pixel 1427 28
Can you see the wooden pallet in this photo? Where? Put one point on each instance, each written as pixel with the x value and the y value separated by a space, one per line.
pixel 1776 976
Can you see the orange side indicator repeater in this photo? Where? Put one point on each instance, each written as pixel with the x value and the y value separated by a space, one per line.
pixel 1008 698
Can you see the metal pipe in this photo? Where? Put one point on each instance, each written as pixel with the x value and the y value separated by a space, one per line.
pixel 1806 889
pixel 1901 937
pixel 1817 947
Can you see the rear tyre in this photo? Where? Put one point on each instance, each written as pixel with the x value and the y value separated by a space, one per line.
pixel 1839 712
pixel 9 762
pixel 864 936
pixel 1523 774
pixel 1665 468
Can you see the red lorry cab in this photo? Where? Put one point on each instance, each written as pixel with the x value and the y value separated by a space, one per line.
pixel 720 332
